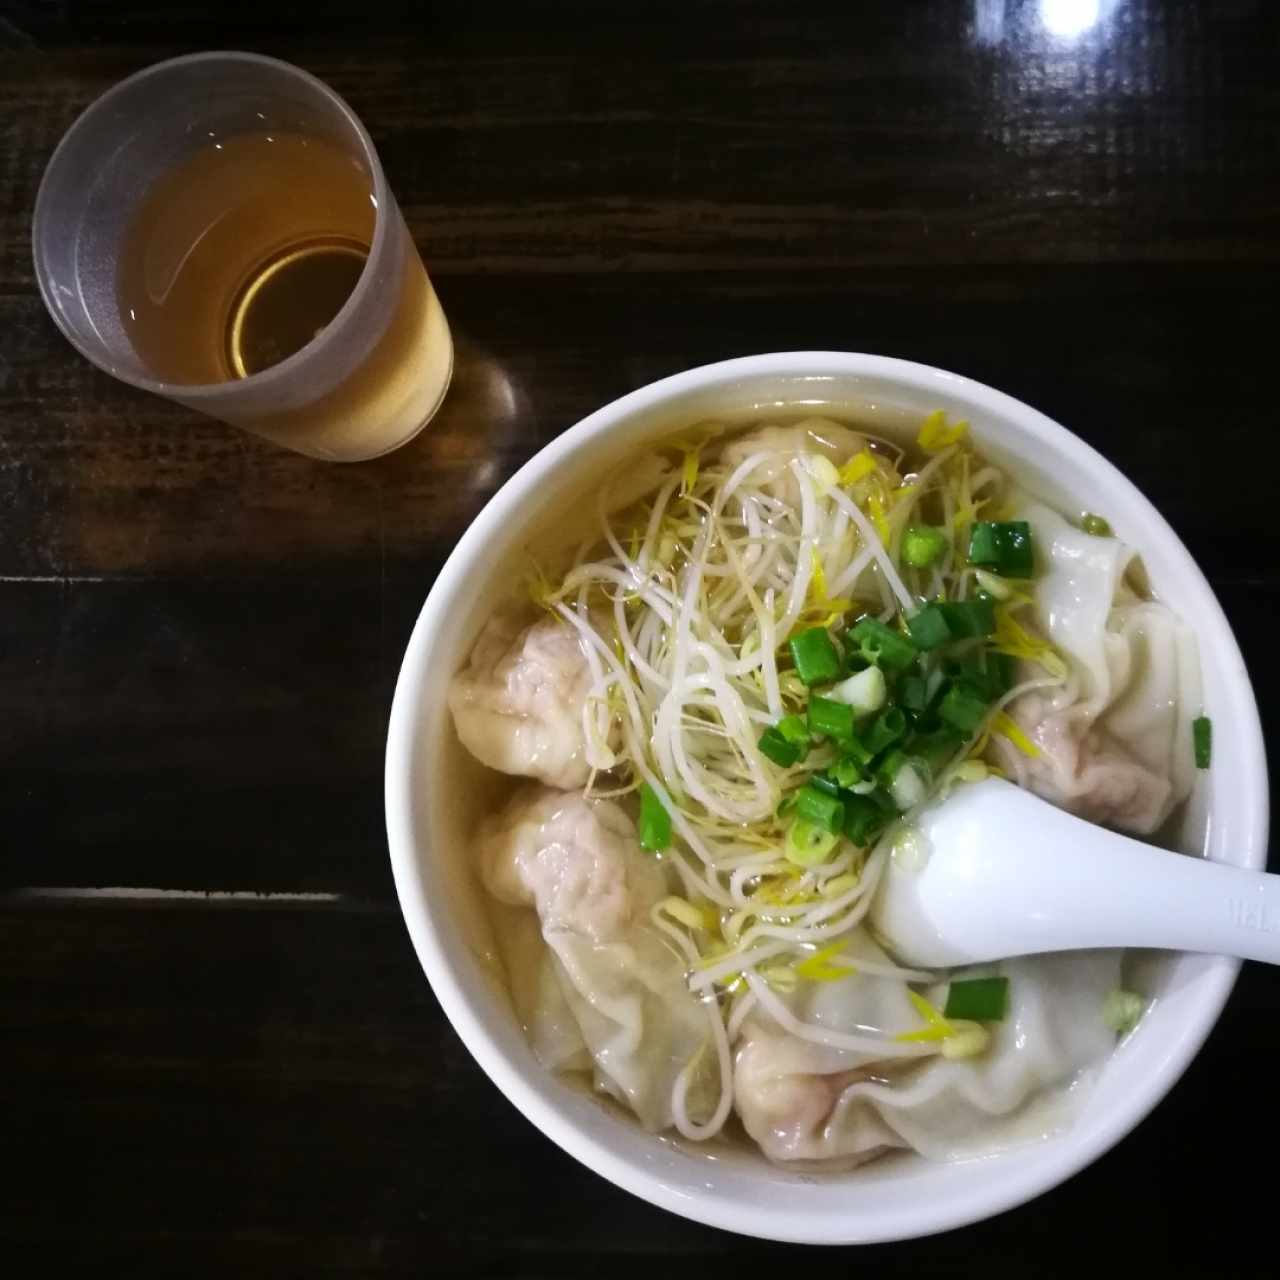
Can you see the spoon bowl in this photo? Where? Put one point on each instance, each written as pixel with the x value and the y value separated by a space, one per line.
pixel 993 871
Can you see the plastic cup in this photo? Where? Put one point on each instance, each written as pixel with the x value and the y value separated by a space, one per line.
pixel 367 382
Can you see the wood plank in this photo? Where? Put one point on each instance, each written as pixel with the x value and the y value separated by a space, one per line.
pixel 249 1090
pixel 109 480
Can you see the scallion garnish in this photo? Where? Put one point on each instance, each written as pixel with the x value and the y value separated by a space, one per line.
pixel 909 786
pixel 913 693
pixel 865 691
pixel 937 747
pixel 776 748
pixel 864 819
pixel 989 673
pixel 928 627
pixel 846 773
pixel 787 742
pixel 963 707
pixel 808 844
pixel 822 810
pixel 887 769
pixel 884 730
pixel 655 821
pixel 794 729
pixel 969 618
pixel 1003 546
pixel 978 999
pixel 1002 673
pixel 1202 740
pixel 825 783
pixel 815 656
pixel 879 644
pixel 829 718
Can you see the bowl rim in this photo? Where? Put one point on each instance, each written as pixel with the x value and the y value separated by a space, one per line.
pixel 1060 1160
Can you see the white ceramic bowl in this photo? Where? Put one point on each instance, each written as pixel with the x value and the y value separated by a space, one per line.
pixel 434 794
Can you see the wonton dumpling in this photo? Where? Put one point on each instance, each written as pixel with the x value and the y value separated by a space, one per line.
pixel 1116 740
pixel 814 435
pixel 789 1092
pixel 1053 1032
pixel 575 861
pixel 518 705
pixel 579 864
pixel 808 1103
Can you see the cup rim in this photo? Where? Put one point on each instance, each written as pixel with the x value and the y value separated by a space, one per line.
pixel 266 378
pixel 1056 1160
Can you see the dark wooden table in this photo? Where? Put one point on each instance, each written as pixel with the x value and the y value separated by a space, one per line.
pixel 218 1054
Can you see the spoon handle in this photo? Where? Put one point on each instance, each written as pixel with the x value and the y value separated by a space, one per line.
pixel 1020 877
pixel 1144 897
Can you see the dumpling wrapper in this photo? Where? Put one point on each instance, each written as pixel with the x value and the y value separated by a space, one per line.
pixel 1115 741
pixel 807 1104
pixel 578 863
pixel 519 704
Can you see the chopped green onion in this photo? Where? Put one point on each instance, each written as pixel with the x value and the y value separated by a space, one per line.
pixel 776 748
pixel 864 819
pixel 1096 525
pixel 807 845
pixel 822 810
pixel 924 724
pixel 865 692
pixel 845 772
pixel 1202 740
pixel 1003 546
pixel 879 644
pixel 963 707
pixel 787 742
pixel 936 748
pixel 913 693
pixel 928 627
pixel 990 673
pixel 794 730
pixel 909 787
pixel 884 801
pixel 825 783
pixel 816 659
pixel 887 769
pixel 933 683
pixel 885 730
pixel 1002 673
pixel 969 618
pixel 1122 1009
pixel 655 821
pixel 978 999
pixel 829 718
pixel 922 544
pixel 938 624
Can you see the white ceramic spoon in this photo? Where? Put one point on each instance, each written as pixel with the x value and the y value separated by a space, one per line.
pixel 1003 873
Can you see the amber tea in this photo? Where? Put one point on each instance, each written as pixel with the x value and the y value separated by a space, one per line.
pixel 245 253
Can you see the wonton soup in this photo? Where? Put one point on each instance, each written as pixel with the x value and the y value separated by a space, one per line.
pixel 721 714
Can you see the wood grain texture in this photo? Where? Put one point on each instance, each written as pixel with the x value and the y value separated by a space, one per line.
pixel 262 1092
pixel 199 634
